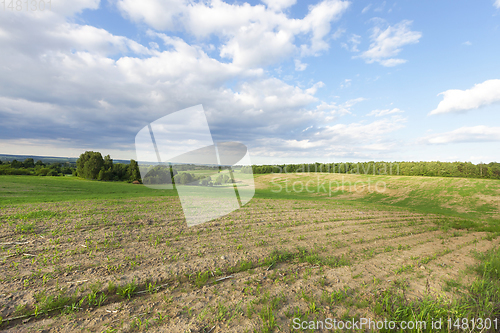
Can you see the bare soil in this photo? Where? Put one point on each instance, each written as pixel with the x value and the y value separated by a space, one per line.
pixel 75 247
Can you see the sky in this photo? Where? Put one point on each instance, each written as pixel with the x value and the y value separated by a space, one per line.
pixel 295 81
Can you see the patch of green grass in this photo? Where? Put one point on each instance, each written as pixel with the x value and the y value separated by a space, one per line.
pixel 25 228
pixel 28 189
pixel 480 300
pixel 202 278
pixel 427 195
pixel 128 290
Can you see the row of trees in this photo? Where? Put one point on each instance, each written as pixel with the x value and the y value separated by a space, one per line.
pixel 440 169
pixel 38 168
pixel 91 165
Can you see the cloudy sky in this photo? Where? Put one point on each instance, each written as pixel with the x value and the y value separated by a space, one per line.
pixel 295 81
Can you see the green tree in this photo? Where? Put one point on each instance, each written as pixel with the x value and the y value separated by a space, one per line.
pixel 108 163
pixel 16 164
pixel 29 163
pixel 133 171
pixel 89 164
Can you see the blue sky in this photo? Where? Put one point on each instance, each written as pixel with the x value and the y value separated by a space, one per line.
pixel 295 81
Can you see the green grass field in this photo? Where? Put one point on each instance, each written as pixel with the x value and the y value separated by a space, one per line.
pixel 31 189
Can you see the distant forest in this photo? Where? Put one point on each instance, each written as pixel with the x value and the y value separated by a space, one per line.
pixel 90 165
pixel 437 169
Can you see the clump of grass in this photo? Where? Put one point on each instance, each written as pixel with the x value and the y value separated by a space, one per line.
pixel 111 287
pixel 480 300
pixel 202 278
pixel 128 290
pixel 490 265
pixel 269 323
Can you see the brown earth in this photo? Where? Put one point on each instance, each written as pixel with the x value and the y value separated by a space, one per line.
pixel 90 245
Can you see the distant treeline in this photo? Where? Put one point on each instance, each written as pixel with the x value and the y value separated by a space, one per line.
pixel 438 169
pixel 38 168
pixel 90 165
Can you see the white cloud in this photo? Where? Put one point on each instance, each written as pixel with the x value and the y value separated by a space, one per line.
pixel 256 47
pixel 468 43
pixel 72 87
pixel 367 8
pixel 299 66
pixel 341 109
pixel 380 113
pixel 317 23
pixel 359 132
pixel 89 88
pixel 279 5
pixel 69 7
pixel 335 141
pixel 387 43
pixel 252 36
pixel 392 62
pixel 456 101
pixel 497 3
pixel 160 15
pixel 465 134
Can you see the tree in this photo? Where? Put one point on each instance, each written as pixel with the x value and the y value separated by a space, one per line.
pixel 120 171
pixel 89 164
pixel 133 171
pixel 29 163
pixel 184 178
pixel 108 163
pixel 16 164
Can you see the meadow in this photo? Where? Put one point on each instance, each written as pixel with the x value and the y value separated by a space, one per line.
pixel 79 255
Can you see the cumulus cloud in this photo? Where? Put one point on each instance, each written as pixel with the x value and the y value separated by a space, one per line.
pixel 330 141
pixel 89 88
pixel 457 101
pixel 70 87
pixel 387 43
pixel 380 113
pixel 251 36
pixel 465 134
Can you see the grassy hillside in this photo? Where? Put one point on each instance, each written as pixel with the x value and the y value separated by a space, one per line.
pixel 27 189
pixel 475 199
